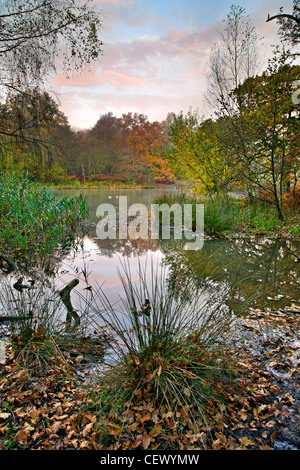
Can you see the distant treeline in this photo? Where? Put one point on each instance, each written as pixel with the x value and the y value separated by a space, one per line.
pixel 39 139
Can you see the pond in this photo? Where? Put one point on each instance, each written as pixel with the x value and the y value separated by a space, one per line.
pixel 257 273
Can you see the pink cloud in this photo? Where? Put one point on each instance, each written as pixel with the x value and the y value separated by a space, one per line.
pixel 108 77
pixel 81 81
pixel 121 79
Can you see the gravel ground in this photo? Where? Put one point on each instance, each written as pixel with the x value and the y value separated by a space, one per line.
pixel 271 340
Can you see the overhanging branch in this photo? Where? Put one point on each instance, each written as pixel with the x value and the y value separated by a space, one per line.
pixel 283 15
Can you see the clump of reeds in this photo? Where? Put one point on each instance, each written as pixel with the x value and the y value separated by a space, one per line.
pixel 166 348
pixel 37 326
pixel 34 221
pixel 224 215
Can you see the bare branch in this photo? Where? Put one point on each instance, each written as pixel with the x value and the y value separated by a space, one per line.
pixel 283 15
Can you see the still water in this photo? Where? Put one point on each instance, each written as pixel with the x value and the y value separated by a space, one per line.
pixel 257 273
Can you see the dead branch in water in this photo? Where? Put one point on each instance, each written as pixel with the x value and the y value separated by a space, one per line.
pixel 11 264
pixel 65 295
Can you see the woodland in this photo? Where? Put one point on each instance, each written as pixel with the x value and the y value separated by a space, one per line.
pixel 223 375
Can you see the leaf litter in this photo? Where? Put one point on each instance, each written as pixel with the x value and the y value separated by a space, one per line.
pixel 59 411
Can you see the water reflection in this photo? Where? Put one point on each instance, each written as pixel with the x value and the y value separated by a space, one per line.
pixel 262 270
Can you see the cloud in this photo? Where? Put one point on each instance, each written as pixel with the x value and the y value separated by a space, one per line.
pixel 152 75
pixel 121 79
pixel 85 108
pixel 107 78
pixel 119 3
pixel 151 64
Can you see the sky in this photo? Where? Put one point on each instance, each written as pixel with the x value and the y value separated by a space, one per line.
pixel 155 57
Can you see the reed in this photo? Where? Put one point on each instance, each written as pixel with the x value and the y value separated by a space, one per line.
pixel 224 215
pixel 166 348
pixel 34 221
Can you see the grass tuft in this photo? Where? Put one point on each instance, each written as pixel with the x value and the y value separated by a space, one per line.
pixel 166 348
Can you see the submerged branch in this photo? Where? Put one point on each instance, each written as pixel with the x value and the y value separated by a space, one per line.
pixel 11 264
pixel 65 295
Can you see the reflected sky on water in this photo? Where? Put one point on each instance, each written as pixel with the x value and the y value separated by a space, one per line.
pixel 261 271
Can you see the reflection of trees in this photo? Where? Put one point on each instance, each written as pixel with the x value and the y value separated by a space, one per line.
pixel 249 269
pixel 125 247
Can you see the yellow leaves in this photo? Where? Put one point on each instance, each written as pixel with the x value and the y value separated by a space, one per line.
pixel 247 442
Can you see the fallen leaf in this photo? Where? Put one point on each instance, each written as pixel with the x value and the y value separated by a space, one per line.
pixel 270 424
pixel 264 447
pixel 55 426
pixel 87 429
pixel 272 363
pixel 22 437
pixel 133 427
pixel 113 429
pixel 246 441
pixel 272 437
pixel 146 440
pixel 156 430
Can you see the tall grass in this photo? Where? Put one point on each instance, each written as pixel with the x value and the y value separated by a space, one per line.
pixel 166 348
pixel 224 215
pixel 219 216
pixel 41 335
pixel 34 221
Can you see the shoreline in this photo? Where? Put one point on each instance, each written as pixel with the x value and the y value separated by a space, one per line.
pixel 110 186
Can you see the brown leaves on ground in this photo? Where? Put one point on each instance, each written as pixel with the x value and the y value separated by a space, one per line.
pixel 58 412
